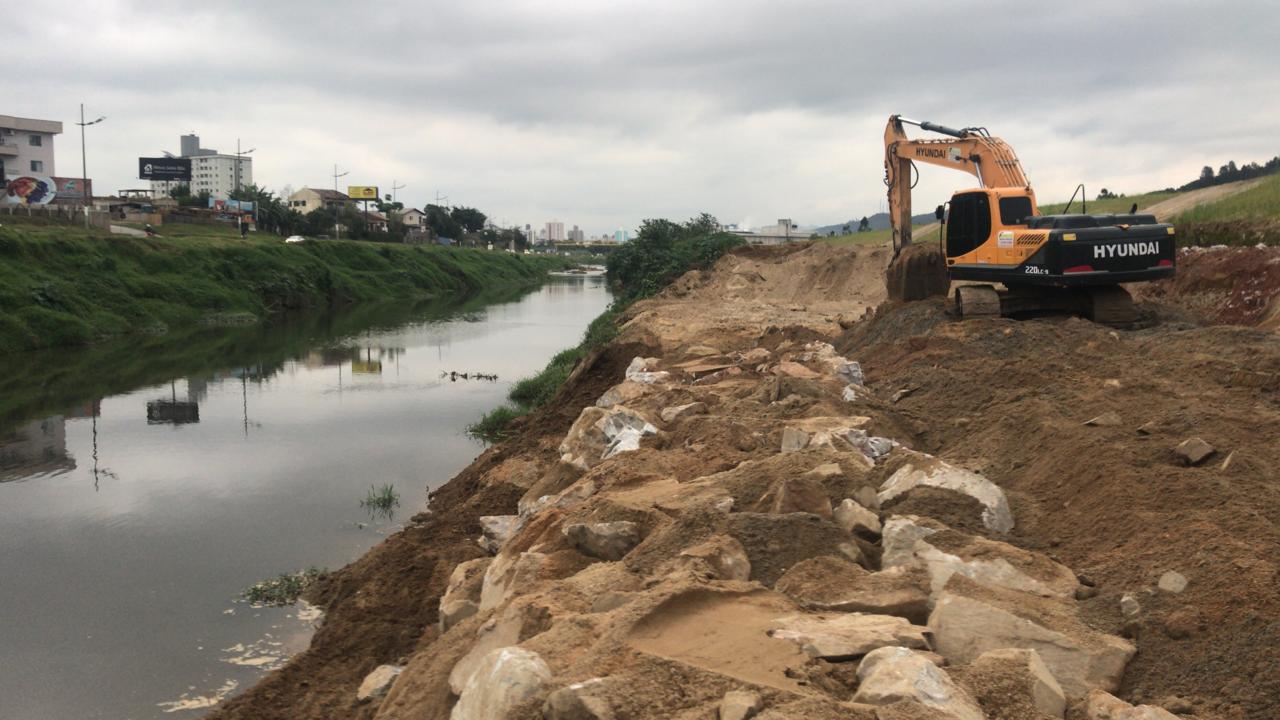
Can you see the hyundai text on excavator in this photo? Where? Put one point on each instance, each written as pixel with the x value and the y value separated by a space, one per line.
pixel 996 234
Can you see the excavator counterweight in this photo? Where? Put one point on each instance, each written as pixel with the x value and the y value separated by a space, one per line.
pixel 996 234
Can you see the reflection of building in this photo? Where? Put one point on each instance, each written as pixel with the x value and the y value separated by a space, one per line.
pixel 26 146
pixel 37 447
pixel 173 411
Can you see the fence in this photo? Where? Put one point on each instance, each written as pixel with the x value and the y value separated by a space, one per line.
pixel 55 215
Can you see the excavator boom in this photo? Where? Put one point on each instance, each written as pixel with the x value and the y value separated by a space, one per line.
pixel 971 150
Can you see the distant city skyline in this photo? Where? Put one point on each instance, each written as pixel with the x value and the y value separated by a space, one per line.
pixel 665 118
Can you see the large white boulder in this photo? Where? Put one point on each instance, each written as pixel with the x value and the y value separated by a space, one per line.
pixel 927 471
pixel 945 552
pixel 969 620
pixel 844 636
pixel 505 678
pixel 496 530
pixel 599 434
pixel 461 598
pixel 895 674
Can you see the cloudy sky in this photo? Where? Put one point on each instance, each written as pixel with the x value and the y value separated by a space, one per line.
pixel 603 113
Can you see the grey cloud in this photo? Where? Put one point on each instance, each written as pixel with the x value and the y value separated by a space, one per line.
pixel 667 88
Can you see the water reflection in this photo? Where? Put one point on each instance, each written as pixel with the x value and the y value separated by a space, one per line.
pixel 129 532
pixel 38 447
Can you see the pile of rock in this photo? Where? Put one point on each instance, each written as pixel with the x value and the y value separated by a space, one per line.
pixel 784 587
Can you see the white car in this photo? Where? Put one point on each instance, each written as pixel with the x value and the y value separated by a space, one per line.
pixel 295 239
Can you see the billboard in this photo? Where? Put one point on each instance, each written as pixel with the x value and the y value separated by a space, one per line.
pixel 362 192
pixel 164 168
pixel 43 189
pixel 30 190
pixel 231 205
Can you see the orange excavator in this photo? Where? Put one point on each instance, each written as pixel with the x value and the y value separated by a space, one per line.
pixel 995 234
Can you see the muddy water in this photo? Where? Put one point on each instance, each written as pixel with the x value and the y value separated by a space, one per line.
pixel 144 484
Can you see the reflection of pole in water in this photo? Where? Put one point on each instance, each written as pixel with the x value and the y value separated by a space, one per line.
pixel 95 452
pixel 244 403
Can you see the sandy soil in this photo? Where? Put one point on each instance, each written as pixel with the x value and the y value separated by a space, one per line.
pixel 680 620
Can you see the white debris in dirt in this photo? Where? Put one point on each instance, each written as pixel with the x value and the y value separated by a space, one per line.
pixel 1172 582
pixel 1129 606
pixel 623 431
pixel 931 472
pixel 638 371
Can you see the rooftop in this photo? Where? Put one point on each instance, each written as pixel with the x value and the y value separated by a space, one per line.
pixel 30 124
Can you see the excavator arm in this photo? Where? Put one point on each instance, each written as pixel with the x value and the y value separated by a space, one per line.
pixel 970 150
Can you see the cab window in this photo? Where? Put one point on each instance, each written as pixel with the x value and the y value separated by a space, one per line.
pixel 968 223
pixel 1015 210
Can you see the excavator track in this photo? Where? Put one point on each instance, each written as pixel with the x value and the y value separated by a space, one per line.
pixel 977 301
pixel 1106 305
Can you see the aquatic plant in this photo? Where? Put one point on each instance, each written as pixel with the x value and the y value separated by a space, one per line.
pixel 284 589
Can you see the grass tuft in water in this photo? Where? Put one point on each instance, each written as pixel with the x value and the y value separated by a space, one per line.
pixel 282 590
pixel 382 500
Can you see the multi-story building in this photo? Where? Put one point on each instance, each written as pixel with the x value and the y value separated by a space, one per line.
pixel 576 235
pixel 26 146
pixel 555 231
pixel 218 173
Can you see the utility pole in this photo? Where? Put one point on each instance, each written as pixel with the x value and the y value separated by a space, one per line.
pixel 394 188
pixel 440 197
pixel 337 227
pixel 240 208
pixel 85 199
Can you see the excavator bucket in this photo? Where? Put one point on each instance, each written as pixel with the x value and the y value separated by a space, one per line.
pixel 918 272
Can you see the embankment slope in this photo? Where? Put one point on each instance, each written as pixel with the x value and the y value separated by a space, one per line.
pixel 707 519
pixel 67 286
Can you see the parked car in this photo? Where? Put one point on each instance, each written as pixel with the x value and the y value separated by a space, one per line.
pixel 295 239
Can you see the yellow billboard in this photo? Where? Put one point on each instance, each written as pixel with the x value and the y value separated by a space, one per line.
pixel 362 192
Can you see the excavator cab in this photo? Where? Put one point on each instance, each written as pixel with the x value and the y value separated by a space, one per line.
pixel 995 234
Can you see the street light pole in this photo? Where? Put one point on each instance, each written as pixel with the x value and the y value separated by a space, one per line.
pixel 85 199
pixel 236 192
pixel 337 227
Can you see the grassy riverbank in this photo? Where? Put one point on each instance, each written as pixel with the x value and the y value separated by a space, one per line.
pixel 68 286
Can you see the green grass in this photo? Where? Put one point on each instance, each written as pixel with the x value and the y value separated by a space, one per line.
pixel 71 286
pixel 196 230
pixel 1261 202
pixel 381 501
pixel 493 427
pixel 282 589
pixel 1110 205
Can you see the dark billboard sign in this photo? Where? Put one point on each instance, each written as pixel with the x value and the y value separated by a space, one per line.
pixel 163 168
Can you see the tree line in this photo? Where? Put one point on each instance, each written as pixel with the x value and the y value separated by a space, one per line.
pixel 464 225
pixel 1231 173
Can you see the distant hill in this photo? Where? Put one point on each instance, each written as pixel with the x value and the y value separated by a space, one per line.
pixel 879 221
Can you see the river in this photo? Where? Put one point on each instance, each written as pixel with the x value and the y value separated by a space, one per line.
pixel 145 483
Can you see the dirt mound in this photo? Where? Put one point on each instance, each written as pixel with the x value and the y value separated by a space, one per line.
pixel 1226 285
pixel 1114 502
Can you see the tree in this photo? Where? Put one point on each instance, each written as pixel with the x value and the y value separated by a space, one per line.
pixel 442 223
pixel 1206 174
pixel 471 219
pixel 864 225
pixel 845 230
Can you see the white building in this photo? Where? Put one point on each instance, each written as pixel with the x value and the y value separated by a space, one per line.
pixel 210 170
pixel 780 233
pixel 308 200
pixel 26 146
pixel 555 231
